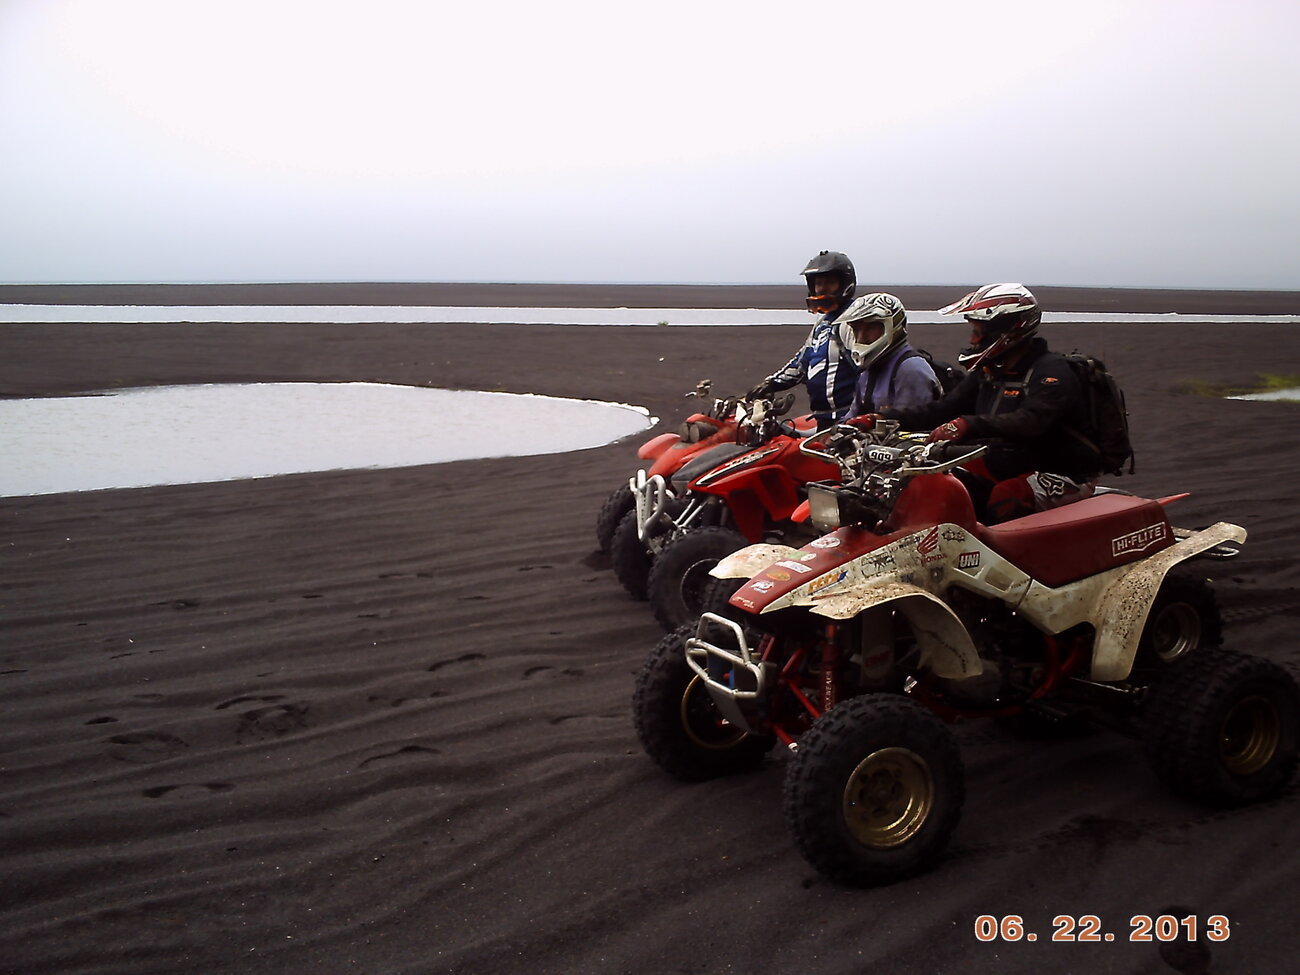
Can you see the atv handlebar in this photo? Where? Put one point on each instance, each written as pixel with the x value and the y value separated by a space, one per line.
pixel 853 449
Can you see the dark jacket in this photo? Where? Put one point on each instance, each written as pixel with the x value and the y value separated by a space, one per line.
pixel 1025 413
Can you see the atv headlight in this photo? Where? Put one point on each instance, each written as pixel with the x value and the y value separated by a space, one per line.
pixel 824 507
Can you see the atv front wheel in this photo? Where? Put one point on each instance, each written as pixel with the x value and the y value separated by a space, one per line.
pixel 619 503
pixel 679 576
pixel 1223 727
pixel 874 790
pixel 630 557
pixel 678 723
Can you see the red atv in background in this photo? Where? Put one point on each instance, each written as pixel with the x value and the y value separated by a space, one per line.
pixel 720 501
pixel 667 452
pixel 856 651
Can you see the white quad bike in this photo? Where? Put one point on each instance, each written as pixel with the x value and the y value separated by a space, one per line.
pixel 856 651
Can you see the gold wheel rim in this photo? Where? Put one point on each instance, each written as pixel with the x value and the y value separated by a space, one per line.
pixel 888 797
pixel 700 716
pixel 1250 735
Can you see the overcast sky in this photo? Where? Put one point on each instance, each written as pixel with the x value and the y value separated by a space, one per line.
pixel 1106 142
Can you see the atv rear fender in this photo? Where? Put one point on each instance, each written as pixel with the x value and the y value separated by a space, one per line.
pixel 1117 602
pixel 1126 603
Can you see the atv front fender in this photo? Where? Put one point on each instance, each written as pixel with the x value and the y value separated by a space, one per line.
pixel 652 448
pixel 1126 602
pixel 751 560
pixel 946 648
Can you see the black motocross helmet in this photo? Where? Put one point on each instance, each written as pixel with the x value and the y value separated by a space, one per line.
pixel 821 300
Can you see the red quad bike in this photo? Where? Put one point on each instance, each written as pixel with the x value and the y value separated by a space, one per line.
pixel 667 452
pixel 856 650
pixel 720 501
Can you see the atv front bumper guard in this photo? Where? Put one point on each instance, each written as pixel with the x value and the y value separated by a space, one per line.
pixel 733 677
pixel 650 495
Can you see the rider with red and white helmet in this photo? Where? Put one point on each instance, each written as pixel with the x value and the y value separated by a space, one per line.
pixel 1022 398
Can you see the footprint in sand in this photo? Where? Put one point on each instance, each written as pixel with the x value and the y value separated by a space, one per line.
pixel 268 698
pixel 148 746
pixel 406 751
pixel 394 702
pixel 203 788
pixel 586 718
pixel 464 658
pixel 277 720
pixel 542 668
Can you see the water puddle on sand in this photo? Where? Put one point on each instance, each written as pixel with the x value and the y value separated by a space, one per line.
pixel 1273 396
pixel 193 434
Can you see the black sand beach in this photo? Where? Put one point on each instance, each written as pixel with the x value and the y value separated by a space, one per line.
pixel 379 721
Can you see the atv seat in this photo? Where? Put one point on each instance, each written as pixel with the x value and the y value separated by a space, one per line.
pixel 1081 539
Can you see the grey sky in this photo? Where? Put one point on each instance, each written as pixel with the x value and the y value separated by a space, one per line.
pixel 1114 142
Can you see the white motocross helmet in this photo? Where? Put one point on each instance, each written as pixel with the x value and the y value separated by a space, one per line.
pixel 1005 315
pixel 879 308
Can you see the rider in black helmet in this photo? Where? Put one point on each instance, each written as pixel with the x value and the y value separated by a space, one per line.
pixel 824 363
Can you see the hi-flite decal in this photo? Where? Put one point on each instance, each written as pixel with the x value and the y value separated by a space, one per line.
pixel 1140 540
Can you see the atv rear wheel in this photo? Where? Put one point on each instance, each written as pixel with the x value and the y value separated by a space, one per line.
pixel 874 790
pixel 619 503
pixel 679 576
pixel 1223 727
pixel 1183 617
pixel 678 723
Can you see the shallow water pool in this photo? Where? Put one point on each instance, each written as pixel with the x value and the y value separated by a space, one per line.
pixel 190 434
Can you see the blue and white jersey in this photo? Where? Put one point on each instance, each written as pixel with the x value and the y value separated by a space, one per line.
pixel 825 368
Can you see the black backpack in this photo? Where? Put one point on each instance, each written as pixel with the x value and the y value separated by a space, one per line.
pixel 947 374
pixel 1107 413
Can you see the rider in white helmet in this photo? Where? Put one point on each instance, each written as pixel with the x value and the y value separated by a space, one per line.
pixel 1023 399
pixel 894 375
